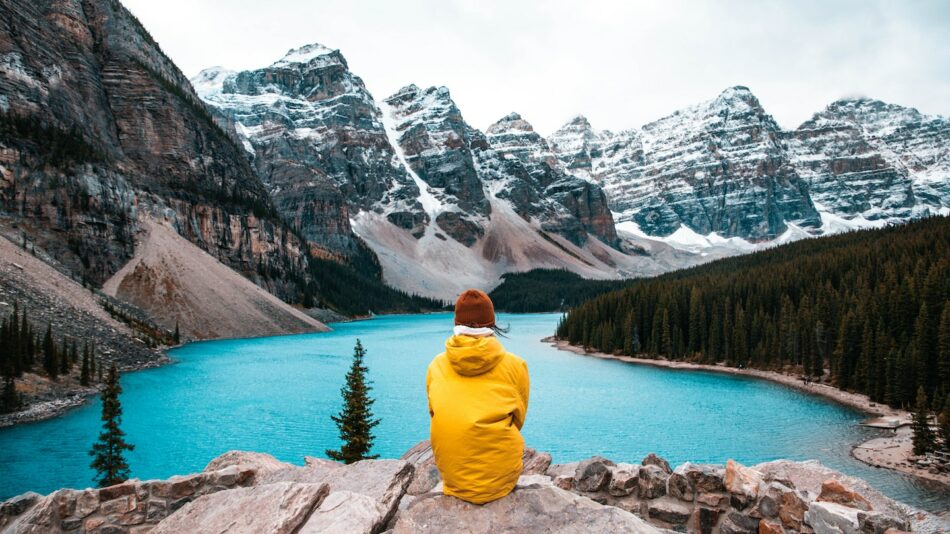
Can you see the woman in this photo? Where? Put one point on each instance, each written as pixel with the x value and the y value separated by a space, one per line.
pixel 478 397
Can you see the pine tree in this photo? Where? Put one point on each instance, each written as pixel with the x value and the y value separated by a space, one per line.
pixel 84 371
pixel 355 420
pixel 177 334
pixel 945 424
pixel 63 359
pixel 923 435
pixel 49 353
pixel 666 342
pixel 10 399
pixel 108 459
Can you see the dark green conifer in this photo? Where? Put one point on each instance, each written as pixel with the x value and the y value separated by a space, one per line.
pixel 84 371
pixel 944 421
pixel 50 365
pixel 355 421
pixel 177 334
pixel 923 434
pixel 10 399
pixel 108 452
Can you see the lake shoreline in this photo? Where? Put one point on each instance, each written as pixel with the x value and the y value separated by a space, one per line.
pixel 885 452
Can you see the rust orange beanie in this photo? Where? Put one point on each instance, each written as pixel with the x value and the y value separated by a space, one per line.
pixel 474 308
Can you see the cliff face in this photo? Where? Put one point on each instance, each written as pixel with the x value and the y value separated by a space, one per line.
pixel 317 141
pixel 98 124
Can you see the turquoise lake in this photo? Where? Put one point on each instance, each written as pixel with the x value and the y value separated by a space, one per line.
pixel 276 395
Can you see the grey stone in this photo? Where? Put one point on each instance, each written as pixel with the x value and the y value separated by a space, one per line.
pixel 531 509
pixel 592 474
pixel 653 459
pixel 624 480
pixel 652 482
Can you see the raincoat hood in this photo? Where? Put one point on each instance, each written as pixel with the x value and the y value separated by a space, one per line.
pixel 472 356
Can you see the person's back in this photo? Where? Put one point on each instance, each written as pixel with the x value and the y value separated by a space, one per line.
pixel 478 398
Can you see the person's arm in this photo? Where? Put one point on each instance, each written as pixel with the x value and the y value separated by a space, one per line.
pixel 524 391
pixel 429 399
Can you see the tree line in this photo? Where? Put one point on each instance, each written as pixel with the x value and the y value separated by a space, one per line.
pixel 545 290
pixel 867 311
pixel 23 349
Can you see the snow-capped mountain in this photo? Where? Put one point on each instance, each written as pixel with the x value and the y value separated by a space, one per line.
pixel 445 206
pixel 722 172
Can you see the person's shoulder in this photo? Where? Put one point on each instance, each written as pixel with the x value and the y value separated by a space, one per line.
pixel 515 361
pixel 439 360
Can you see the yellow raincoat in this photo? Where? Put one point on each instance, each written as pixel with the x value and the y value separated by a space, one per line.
pixel 478 397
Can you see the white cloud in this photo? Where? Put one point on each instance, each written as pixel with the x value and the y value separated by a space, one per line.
pixel 620 63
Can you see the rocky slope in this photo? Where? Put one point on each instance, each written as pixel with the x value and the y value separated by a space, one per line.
pixel 169 277
pixel 724 169
pixel 243 492
pixel 49 297
pixel 442 205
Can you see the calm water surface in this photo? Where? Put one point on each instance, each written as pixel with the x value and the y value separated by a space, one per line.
pixel 276 395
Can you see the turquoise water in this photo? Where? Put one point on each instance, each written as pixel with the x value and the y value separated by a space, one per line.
pixel 276 395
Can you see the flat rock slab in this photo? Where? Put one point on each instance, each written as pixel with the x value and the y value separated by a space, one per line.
pixel 532 508
pixel 345 511
pixel 384 481
pixel 279 508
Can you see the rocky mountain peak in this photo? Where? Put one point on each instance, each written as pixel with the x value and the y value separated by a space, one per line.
pixel 511 122
pixel 210 80
pixel 309 54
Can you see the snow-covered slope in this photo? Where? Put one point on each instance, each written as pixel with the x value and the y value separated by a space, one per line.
pixel 722 173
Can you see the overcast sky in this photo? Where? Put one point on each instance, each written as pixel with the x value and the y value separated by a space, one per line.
pixel 620 63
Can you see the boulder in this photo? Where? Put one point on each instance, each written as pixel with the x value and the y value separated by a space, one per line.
pixel 534 462
pixel 592 474
pixel 279 508
pixel 526 509
pixel 879 523
pixel 704 478
pixel 791 510
pixel 624 480
pixel 770 527
pixel 652 482
pixel 259 462
pixel 834 491
pixel 703 520
pixel 770 499
pixel 742 480
pixel 668 512
pixel 19 504
pixel 426 474
pixel 679 486
pixel 345 511
pixel 653 459
pixel 563 474
pixel 832 518
pixel 736 523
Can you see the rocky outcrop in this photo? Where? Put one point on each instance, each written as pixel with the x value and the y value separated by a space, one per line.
pixel 253 492
pixel 531 507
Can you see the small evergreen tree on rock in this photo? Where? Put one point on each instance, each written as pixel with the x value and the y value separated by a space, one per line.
pixel 108 458
pixel 923 435
pixel 355 420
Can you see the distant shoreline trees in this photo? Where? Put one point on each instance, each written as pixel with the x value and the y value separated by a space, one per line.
pixel 355 420
pixel 867 311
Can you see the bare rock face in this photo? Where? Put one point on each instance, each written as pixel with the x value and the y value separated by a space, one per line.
pixel 526 509
pixel 260 463
pixel 836 492
pixel 346 511
pixel 652 481
pixel 592 474
pixel 624 480
pixel 653 459
pixel 138 138
pixel 833 518
pixel 281 508
pixel 534 462
pixel 426 475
